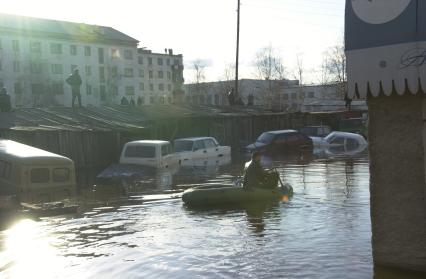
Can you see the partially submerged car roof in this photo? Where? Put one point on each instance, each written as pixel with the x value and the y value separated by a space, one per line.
pixel 194 138
pixel 148 142
pixel 281 132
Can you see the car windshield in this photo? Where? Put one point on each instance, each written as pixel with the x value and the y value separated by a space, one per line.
pixel 183 145
pixel 265 138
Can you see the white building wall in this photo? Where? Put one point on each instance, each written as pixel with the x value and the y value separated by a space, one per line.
pixel 121 72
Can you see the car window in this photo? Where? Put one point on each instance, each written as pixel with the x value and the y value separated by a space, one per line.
pixel 40 175
pixel 61 174
pixel 5 169
pixel 183 145
pixel 265 138
pixel 352 143
pixel 209 143
pixel 337 140
pixel 199 144
pixel 140 151
pixel 166 149
pixel 292 138
pixel 280 139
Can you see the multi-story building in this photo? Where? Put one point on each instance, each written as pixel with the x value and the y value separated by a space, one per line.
pixel 37 55
pixel 160 76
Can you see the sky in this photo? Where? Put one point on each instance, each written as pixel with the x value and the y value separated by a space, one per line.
pixel 206 29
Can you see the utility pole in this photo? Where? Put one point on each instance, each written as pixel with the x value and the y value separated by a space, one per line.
pixel 238 45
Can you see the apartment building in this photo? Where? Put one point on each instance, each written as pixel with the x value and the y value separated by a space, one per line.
pixel 37 55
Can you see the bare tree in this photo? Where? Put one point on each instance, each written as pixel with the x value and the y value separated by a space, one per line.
pixel 299 68
pixel 199 67
pixel 335 67
pixel 269 64
pixel 336 63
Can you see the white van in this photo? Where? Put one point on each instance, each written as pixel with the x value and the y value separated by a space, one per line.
pixel 35 175
pixel 151 153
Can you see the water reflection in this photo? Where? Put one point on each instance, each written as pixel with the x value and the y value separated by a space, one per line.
pixel 146 232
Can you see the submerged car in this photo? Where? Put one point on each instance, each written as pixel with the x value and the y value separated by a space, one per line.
pixel 200 148
pixel 316 133
pixel 281 141
pixel 151 153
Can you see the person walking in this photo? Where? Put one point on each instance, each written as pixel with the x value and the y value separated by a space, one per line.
pixel 74 80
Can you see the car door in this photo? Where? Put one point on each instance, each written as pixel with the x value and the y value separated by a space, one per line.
pixel 212 149
pixel 279 142
pixel 199 149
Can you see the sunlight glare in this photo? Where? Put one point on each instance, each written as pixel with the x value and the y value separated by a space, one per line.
pixel 29 253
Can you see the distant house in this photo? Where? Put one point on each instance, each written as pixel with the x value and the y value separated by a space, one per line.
pixel 36 56
pixel 280 95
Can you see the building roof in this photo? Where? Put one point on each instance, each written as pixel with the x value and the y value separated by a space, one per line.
pixel 37 27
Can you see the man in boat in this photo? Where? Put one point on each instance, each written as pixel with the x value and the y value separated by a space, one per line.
pixel 257 177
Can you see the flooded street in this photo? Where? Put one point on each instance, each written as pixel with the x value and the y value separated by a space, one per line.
pixel 324 231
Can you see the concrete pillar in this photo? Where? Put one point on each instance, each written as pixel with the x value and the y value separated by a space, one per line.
pixel 397 142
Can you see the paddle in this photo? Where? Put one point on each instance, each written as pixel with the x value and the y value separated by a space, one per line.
pixel 287 186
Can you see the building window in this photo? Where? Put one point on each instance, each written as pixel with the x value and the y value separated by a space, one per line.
pixel 36 89
pixel 114 90
pixel 142 100
pixel 141 73
pixel 176 62
pixel 55 48
pixel 160 74
pixel 141 86
pixel 151 87
pixel 128 72
pixel 140 60
pixel 114 53
pixel 57 69
pixel 293 96
pixel 16 67
pixel 102 92
pixel 18 88
pixel 15 45
pixel 102 74
pixel 311 95
pixel 87 51
pixel 149 60
pixel 169 75
pixel 160 61
pixel 35 47
pixel 58 88
pixel 35 68
pixel 168 62
pixel 130 90
pixel 88 89
pixel 161 87
pixel 73 49
pixel 88 70
pixel 169 87
pixel 285 96
pixel 128 54
pixel 101 55
pixel 114 71
pixel 151 99
pixel 150 74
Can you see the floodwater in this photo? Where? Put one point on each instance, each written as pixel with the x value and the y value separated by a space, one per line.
pixel 142 230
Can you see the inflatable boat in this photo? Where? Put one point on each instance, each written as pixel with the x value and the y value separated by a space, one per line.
pixel 228 194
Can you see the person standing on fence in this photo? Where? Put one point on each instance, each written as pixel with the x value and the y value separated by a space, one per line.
pixel 74 80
